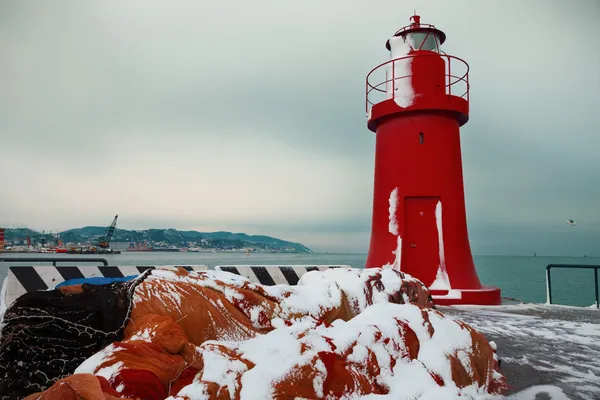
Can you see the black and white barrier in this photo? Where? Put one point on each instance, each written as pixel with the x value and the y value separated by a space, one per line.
pixel 23 279
pixel 275 274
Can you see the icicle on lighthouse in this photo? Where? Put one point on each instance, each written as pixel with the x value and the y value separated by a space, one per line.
pixel 416 103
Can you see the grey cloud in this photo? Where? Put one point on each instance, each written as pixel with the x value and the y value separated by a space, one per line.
pixel 85 84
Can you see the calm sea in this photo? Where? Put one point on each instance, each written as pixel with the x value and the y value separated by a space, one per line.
pixel 522 278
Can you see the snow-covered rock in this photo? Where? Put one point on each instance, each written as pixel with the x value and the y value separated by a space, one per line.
pixel 340 333
pixel 389 351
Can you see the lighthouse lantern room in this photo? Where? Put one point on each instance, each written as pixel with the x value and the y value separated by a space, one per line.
pixel 415 103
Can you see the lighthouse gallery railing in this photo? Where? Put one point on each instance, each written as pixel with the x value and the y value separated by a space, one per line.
pixel 457 78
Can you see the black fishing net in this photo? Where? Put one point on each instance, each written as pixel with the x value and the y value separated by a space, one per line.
pixel 46 335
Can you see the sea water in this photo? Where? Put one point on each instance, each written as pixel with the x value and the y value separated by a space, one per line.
pixel 521 278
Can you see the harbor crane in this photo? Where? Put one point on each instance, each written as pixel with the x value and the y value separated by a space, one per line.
pixel 104 241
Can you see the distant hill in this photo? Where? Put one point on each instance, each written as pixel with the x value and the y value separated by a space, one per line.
pixel 218 240
pixel 11 234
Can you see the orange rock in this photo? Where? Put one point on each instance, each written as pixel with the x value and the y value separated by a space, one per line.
pixel 141 355
pixel 202 312
pixel 175 314
pixel 368 358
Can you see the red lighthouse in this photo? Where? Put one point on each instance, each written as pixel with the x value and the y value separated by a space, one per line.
pixel 416 103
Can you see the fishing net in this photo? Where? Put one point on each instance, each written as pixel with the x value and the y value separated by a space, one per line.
pixel 46 335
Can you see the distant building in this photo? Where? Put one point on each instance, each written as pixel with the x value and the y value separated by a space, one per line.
pixel 1 239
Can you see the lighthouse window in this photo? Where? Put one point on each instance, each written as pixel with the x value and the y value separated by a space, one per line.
pixel 422 41
pixel 421 138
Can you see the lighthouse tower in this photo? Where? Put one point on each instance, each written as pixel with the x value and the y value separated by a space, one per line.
pixel 416 103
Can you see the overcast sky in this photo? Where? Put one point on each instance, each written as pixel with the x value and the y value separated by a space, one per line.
pixel 249 116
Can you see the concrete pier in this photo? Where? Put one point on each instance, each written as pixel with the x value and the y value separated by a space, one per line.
pixel 542 345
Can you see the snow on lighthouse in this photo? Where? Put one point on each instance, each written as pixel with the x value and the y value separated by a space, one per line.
pixel 416 103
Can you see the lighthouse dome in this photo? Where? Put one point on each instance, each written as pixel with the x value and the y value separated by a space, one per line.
pixel 419 36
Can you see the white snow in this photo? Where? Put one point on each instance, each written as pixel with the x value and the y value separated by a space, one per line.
pixel 441 282
pixel 110 371
pixel 352 282
pixel 310 300
pixel 398 254
pixel 399 73
pixel 146 335
pixel 221 368
pixel 281 353
pixel 90 365
pixel 531 393
pixel 393 227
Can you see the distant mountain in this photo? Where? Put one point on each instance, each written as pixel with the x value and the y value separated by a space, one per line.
pixel 21 234
pixel 172 237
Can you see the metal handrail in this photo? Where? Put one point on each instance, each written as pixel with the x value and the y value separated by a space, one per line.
pixel 370 87
pixel 573 266
pixel 54 260
pixel 376 87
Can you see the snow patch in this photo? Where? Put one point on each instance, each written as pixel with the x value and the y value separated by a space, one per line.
pixel 398 254
pixel 393 229
pixel 90 365
pixel 372 336
pixel 310 300
pixel 220 369
pixel 352 282
pixel 146 335
pixel 393 226
pixel 399 86
pixel 441 282
pixel 554 393
pixel 109 372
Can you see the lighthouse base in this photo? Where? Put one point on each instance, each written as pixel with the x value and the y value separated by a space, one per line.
pixel 486 296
